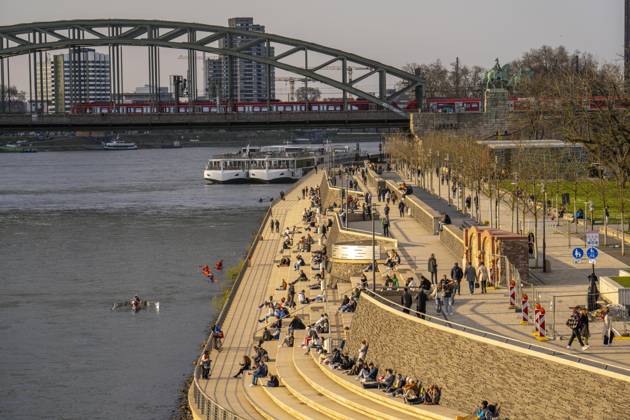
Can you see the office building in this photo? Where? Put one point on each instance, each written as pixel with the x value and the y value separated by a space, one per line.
pixel 81 76
pixel 143 94
pixel 246 79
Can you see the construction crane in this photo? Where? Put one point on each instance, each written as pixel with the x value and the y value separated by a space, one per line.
pixel 349 69
pixel 291 80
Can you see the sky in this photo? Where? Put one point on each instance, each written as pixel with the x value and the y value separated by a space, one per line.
pixel 395 32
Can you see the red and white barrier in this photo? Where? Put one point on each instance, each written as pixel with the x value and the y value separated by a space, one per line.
pixel 542 331
pixel 525 309
pixel 537 308
pixel 512 287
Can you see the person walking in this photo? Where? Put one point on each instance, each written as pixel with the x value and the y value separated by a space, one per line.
pixel 406 300
pixel 483 276
pixel 471 277
pixel 449 295
pixel 401 208
pixel 457 274
pixel 607 331
pixel 574 323
pixel 432 268
pixel 421 298
pixel 385 222
pixel 386 210
pixel 205 363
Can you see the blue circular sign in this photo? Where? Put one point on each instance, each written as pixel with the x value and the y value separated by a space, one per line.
pixel 592 253
pixel 578 253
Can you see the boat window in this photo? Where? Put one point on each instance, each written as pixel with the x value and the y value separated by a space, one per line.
pixel 278 164
pixel 232 164
pixel 214 164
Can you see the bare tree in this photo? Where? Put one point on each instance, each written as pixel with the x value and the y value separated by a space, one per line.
pixel 311 94
pixel 593 112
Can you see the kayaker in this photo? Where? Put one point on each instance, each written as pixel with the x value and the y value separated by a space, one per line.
pixel 135 303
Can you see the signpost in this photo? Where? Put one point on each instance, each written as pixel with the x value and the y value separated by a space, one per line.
pixel 578 254
pixel 592 254
pixel 592 239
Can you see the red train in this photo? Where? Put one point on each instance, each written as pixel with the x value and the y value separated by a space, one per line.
pixel 448 105
pixel 210 106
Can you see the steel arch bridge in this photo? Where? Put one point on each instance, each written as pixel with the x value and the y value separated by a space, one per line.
pixel 35 38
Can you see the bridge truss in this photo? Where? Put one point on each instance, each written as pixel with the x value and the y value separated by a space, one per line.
pixel 34 39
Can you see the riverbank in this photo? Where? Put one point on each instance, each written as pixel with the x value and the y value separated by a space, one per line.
pixel 92 141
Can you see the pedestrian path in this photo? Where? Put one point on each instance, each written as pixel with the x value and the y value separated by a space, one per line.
pixel 491 312
pixel 563 270
pixel 458 218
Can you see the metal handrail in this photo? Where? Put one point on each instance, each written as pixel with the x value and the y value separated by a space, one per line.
pixel 502 338
pixel 199 394
pixel 221 317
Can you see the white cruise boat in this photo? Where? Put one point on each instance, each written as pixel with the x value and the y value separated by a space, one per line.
pixel 273 164
pixel 119 145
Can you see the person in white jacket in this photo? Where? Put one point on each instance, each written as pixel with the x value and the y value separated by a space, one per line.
pixel 483 276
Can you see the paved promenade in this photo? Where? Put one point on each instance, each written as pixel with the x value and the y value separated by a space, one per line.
pixel 563 270
pixel 259 281
pixel 490 311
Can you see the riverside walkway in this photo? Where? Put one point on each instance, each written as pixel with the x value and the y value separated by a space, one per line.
pixel 308 389
pixel 490 312
pixel 242 318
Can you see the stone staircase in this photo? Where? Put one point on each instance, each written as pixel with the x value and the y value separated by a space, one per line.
pixel 310 390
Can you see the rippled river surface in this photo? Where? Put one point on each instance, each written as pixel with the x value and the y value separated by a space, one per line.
pixel 82 230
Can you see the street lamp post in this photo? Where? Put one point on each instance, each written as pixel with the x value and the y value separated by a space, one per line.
pixel 448 179
pixel 439 174
pixel 544 230
pixel 430 169
pixel 345 199
pixel 373 250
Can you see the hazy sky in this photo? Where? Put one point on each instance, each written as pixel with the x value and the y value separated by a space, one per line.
pixel 395 31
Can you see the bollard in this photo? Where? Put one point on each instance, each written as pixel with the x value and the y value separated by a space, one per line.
pixel 512 294
pixel 542 336
pixel 525 309
pixel 537 308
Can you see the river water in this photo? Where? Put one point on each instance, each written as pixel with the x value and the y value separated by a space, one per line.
pixel 82 230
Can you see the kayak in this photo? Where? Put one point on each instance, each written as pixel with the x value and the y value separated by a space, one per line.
pixel 144 304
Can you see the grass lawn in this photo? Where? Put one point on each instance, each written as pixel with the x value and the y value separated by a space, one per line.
pixel 588 189
pixel 624 281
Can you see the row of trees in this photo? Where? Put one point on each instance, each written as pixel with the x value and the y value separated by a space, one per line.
pixel 461 80
pixel 12 99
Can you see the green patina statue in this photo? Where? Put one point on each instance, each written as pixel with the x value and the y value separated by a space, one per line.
pixel 504 77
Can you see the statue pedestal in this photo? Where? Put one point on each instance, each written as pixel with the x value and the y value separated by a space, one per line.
pixel 495 105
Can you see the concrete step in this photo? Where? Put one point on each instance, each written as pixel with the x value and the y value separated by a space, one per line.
pixel 261 402
pixel 291 406
pixel 309 371
pixel 436 412
pixel 301 390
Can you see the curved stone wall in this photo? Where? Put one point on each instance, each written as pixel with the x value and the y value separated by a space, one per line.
pixel 469 368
